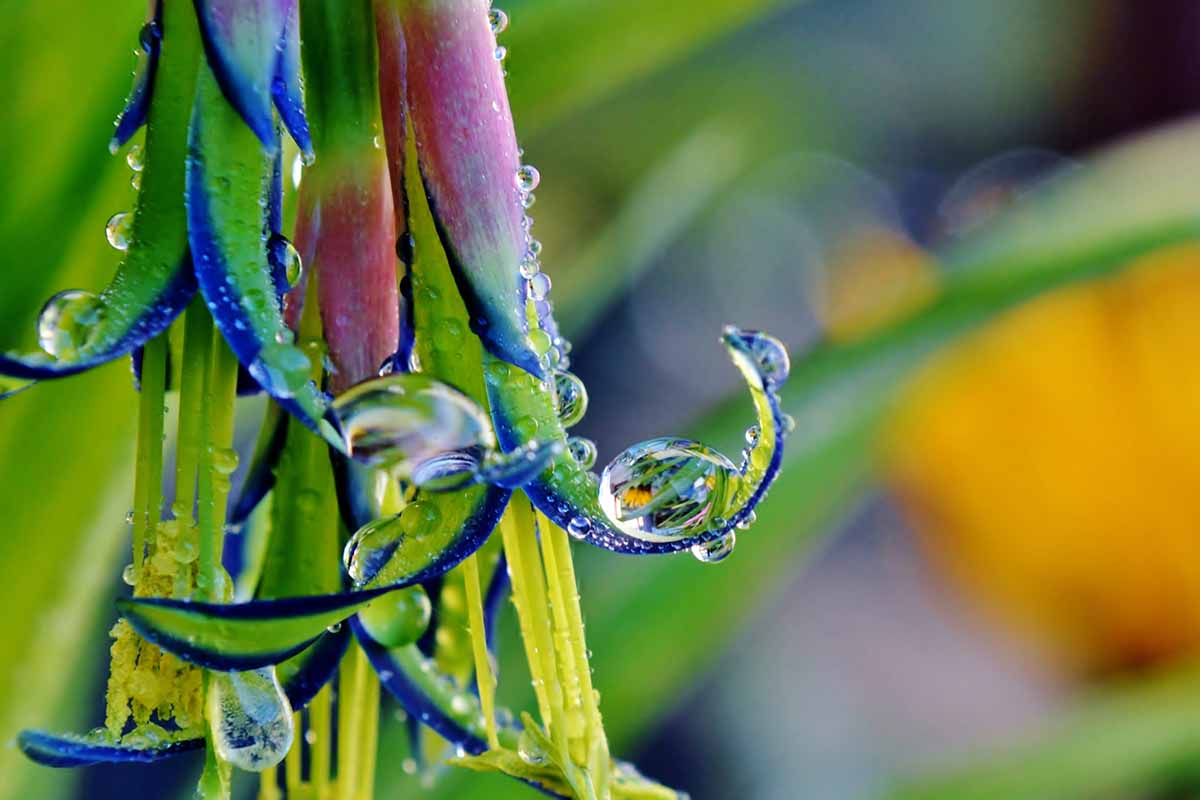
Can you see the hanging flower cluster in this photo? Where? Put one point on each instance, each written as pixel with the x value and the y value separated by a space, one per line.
pixel 420 401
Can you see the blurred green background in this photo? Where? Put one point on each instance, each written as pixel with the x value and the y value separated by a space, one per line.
pixel 867 179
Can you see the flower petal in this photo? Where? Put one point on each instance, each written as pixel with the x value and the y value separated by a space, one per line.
pixel 72 750
pixel 228 174
pixel 455 84
pixel 137 105
pixel 242 41
pixel 306 673
pixel 260 477
pixel 287 88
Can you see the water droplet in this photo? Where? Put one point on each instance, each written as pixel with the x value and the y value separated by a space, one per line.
pixel 285 336
pixel 571 398
pixel 530 750
pixel 666 489
pixel 539 286
pixel 281 369
pixel 789 424
pixel 68 322
pixel 539 340
pixel 716 550
pixel 135 180
pixel 129 575
pixel 526 428
pixel 500 53
pixel 403 419
pixel 752 434
pixel 529 267
pixel 370 548
pixel 528 177
pixel 460 704
pixel 399 618
pixel 446 472
pixel 251 718
pixel 578 527
pixel 448 335
pixel 747 520
pixel 149 36
pixel 498 20
pixel 134 158
pixel 285 257
pixel 409 765
pixel 310 737
pixel 583 451
pixel 129 517
pixel 528 199
pixel 535 248
pixel 119 229
pixel 225 460
pixel 406 247
pixel 334 628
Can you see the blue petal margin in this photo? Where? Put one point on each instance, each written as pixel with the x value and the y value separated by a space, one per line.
pixel 137 105
pixel 137 330
pixel 69 750
pixel 316 667
pixel 287 89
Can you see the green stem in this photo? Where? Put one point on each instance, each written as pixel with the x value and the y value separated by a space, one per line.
pixel 197 342
pixel 219 408
pixel 368 735
pixel 577 728
pixel 351 678
pixel 484 677
pixel 148 477
pixel 510 532
pixel 320 719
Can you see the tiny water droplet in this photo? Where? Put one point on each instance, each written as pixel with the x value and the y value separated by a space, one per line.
pixel 526 428
pixel 539 340
pixel 119 229
pixel 334 628
pixel 225 460
pixel 460 704
pixel 68 322
pixel 528 177
pixel 310 737
pixel 716 550
pixel 529 750
pixel 129 517
pixel 752 435
pixel 535 248
pixel 500 53
pixel 529 267
pixel 134 158
pixel 768 354
pixel 149 36
pixel 789 424
pixel 251 718
pixel 667 489
pixel 448 335
pixel 539 286
pixel 528 199
pixel 406 246
pixel 498 20
pixel 409 765
pixel 571 398
pixel 297 171
pixel 578 527
pixel 135 180
pixel 399 421
pixel 582 450
pixel 285 336
pixel 129 575
pixel 747 520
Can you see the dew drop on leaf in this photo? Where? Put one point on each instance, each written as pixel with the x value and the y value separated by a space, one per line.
pixel 571 398
pixel 583 451
pixel 667 489
pixel 134 158
pixel 497 20
pixel 528 177
pixel 401 420
pixel 399 618
pixel 529 750
pixel 118 230
pixel 68 322
pixel 251 718
pixel 716 550
pixel 281 369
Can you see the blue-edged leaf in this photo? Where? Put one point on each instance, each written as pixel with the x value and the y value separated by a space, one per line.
pixel 493 601
pixel 242 40
pixel 154 282
pixel 137 105
pixel 304 674
pixel 568 494
pixel 241 636
pixel 70 750
pixel 287 88
pixel 228 174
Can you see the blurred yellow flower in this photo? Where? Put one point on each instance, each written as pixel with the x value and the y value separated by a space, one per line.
pixel 1051 464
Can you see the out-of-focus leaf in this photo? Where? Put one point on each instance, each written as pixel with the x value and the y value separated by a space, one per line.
pixel 1085 226
pixel 1121 740
pixel 567 52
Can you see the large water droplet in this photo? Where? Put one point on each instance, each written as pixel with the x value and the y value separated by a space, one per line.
pixel 68 322
pixel 399 618
pixel 571 398
pixel 404 419
pixel 118 230
pixel 666 489
pixel 539 286
pixel 583 451
pixel 281 369
pixel 498 20
pixel 251 718
pixel 446 472
pixel 716 550
pixel 528 177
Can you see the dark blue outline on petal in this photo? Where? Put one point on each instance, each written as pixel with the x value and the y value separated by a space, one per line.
pixel 69 750
pixel 137 106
